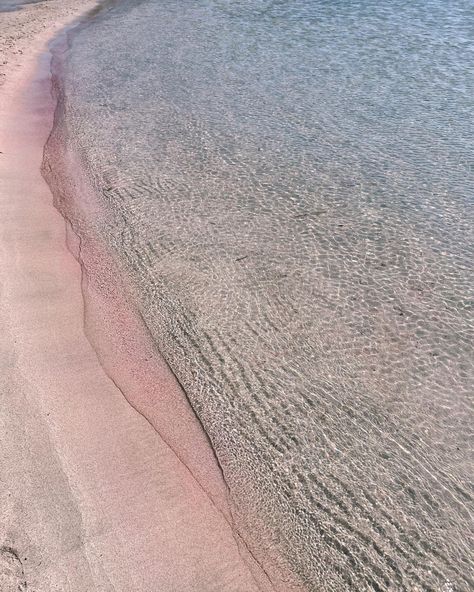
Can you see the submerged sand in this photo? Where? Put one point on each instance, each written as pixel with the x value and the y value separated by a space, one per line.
pixel 92 495
pixel 289 209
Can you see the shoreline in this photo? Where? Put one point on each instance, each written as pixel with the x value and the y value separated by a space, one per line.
pixel 107 491
pixel 127 350
pixel 219 370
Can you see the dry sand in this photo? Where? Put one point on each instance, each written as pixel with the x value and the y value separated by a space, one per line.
pixel 92 496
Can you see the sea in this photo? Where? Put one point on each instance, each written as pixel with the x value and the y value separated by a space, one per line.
pixel 289 191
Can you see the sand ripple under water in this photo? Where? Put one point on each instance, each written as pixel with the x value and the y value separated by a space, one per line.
pixel 288 187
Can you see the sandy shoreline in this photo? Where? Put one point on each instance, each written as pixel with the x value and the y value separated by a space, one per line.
pixel 92 496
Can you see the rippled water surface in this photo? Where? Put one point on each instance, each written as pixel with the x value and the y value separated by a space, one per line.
pixel 290 188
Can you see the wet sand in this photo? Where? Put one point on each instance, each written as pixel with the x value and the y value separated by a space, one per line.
pixel 94 495
pixel 294 237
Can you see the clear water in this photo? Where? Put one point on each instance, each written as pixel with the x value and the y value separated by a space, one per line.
pixel 290 189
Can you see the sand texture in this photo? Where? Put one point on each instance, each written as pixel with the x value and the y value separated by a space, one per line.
pixel 289 203
pixel 92 497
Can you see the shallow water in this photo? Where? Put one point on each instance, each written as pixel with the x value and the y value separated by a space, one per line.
pixel 11 5
pixel 289 187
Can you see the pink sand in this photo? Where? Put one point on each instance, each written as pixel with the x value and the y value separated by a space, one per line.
pixel 94 496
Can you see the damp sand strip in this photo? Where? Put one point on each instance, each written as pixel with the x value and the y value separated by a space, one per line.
pixel 92 497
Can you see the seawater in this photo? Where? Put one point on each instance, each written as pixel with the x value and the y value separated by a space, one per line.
pixel 289 187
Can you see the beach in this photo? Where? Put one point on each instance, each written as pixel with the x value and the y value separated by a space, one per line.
pixel 92 496
pixel 236 296
pixel 284 191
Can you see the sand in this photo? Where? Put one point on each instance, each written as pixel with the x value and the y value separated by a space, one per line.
pixel 92 495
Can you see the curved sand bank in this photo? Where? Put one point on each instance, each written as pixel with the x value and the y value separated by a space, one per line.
pixel 93 495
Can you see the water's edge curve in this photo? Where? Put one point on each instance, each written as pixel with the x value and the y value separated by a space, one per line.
pixel 118 332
